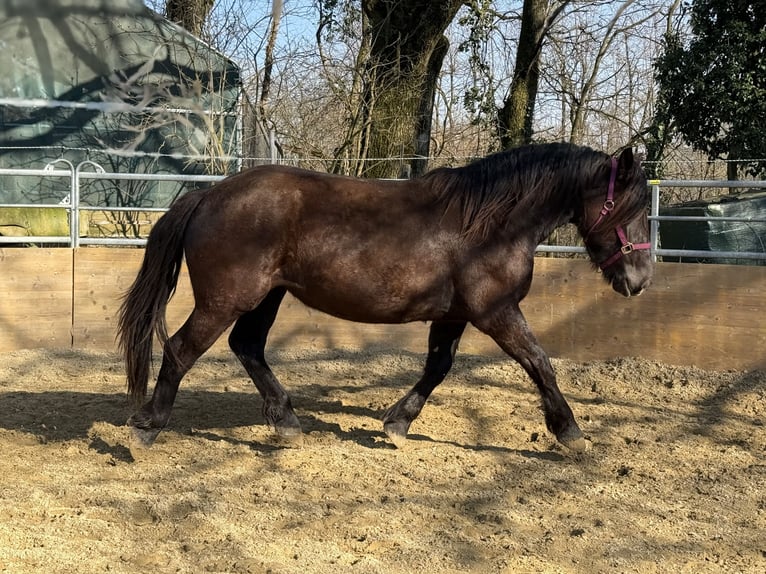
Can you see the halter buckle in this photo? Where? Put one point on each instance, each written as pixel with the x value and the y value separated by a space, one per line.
pixel 605 210
pixel 627 248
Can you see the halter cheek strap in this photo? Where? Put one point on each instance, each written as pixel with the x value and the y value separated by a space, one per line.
pixel 626 246
pixel 609 203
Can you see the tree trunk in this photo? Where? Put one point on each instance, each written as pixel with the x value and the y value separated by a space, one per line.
pixel 732 171
pixel 262 124
pixel 189 14
pixel 514 119
pixel 406 55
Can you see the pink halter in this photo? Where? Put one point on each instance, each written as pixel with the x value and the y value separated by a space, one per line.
pixel 627 246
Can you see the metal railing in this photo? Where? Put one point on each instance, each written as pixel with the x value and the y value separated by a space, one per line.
pixel 88 170
pixel 655 218
pixel 71 201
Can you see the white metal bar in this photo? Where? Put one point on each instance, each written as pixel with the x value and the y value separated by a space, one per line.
pixel 107 107
pixel 708 183
pixel 654 226
pixel 34 239
pixel 711 254
pixel 707 218
pixel 560 249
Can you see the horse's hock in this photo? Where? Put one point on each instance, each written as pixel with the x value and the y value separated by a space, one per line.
pixel 693 314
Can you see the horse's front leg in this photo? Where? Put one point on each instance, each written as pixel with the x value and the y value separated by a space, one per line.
pixel 511 332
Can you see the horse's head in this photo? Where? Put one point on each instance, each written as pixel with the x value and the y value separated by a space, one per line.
pixel 615 225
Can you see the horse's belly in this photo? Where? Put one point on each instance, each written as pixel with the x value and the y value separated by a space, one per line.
pixel 378 304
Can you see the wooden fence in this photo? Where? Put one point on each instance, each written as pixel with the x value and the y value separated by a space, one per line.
pixel 712 316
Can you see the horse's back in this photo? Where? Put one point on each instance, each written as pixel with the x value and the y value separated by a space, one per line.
pixel 272 202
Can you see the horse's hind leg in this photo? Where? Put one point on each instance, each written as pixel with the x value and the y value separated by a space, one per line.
pixel 248 340
pixel 181 351
pixel 442 345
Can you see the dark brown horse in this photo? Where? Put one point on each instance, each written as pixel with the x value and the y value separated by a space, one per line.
pixel 452 247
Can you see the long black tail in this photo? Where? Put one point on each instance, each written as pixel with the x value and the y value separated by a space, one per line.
pixel 142 312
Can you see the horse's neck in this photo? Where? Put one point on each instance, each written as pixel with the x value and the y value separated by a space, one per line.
pixel 538 217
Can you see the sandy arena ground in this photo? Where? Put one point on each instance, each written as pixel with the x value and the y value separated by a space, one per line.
pixel 676 481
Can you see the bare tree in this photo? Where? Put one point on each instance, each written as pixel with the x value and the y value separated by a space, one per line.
pixel 261 140
pixel 345 78
pixel 359 88
pixel 603 80
pixel 515 117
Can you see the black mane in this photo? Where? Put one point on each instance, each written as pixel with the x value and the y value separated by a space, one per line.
pixel 552 176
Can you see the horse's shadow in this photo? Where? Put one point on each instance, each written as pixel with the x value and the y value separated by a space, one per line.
pixel 69 415
pixel 60 416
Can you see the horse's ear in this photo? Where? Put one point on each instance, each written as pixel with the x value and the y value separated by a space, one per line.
pixel 626 158
pixel 625 162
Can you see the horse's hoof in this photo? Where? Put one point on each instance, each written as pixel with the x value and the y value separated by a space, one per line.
pixel 573 439
pixel 142 433
pixel 287 441
pixel 142 438
pixel 288 435
pixel 397 433
pixel 579 444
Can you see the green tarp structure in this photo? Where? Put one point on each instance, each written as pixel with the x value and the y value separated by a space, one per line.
pixel 712 235
pixel 97 53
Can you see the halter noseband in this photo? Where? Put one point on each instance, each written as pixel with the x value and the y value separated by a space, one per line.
pixel 626 246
